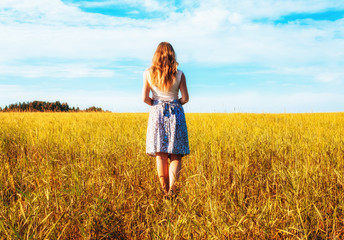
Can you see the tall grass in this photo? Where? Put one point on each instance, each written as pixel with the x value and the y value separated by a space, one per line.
pixel 249 176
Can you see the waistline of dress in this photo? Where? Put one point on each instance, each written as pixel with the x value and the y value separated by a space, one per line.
pixel 158 101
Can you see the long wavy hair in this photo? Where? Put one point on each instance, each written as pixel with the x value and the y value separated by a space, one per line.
pixel 164 67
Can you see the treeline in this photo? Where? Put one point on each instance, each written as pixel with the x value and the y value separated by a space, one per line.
pixel 40 106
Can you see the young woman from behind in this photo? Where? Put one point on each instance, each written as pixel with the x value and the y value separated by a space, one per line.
pixel 167 135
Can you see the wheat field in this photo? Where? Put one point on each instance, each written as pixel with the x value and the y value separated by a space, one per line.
pixel 249 176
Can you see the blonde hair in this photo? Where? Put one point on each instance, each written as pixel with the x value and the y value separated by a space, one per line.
pixel 164 67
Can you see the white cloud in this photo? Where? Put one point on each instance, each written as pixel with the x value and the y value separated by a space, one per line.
pixel 147 5
pixel 216 34
pixel 55 70
pixel 325 74
pixel 135 12
pixel 235 18
pixel 327 77
pixel 252 9
pixel 267 102
pixel 54 13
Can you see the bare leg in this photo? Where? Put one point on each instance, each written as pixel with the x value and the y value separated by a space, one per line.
pixel 174 171
pixel 162 167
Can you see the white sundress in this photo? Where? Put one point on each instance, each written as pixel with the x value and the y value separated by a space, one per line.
pixel 167 131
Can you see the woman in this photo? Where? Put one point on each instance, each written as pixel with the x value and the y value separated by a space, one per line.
pixel 167 135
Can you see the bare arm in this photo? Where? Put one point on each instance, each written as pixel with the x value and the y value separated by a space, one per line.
pixel 184 91
pixel 145 91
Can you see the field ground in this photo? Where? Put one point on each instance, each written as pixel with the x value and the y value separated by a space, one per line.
pixel 249 176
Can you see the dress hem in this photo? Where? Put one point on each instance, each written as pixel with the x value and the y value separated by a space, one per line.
pixel 153 154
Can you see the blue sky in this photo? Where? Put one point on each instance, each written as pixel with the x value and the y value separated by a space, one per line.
pixel 238 56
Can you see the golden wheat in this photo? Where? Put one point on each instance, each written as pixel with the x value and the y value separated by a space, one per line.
pixel 249 176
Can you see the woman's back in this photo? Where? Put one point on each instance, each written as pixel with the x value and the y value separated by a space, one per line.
pixel 171 94
pixel 167 135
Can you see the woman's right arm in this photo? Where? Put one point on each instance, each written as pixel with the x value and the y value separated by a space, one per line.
pixel 146 90
pixel 184 91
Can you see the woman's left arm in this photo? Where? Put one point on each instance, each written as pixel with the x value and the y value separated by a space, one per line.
pixel 146 90
pixel 183 90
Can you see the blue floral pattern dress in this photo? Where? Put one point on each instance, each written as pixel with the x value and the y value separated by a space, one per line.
pixel 167 131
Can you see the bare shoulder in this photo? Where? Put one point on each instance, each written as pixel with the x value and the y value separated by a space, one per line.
pixel 146 71
pixel 146 74
pixel 180 75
